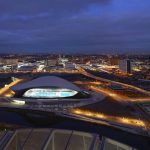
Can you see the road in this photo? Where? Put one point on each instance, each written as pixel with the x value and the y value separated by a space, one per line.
pixel 6 90
pixel 121 98
pixel 82 71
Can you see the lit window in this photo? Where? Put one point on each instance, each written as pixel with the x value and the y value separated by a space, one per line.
pixel 49 93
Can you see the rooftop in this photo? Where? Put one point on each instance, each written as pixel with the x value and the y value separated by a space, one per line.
pixel 56 139
pixel 46 81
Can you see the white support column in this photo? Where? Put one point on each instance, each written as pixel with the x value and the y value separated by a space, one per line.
pixel 51 134
pixel 53 143
pixel 84 143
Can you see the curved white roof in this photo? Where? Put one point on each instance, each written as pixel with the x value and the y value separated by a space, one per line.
pixel 46 81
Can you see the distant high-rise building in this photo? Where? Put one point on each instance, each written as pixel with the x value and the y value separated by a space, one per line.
pixel 125 65
pixel 51 62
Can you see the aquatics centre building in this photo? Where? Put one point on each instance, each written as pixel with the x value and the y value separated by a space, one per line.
pixel 51 90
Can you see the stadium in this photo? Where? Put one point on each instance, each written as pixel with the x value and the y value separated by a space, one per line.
pixel 49 90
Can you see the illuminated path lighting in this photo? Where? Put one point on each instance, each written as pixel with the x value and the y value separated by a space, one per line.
pixel 88 113
pixel 107 93
pixel 118 97
pixel 17 102
pixel 130 121
pixel 82 71
pixel 87 83
pixel 6 90
pixel 127 121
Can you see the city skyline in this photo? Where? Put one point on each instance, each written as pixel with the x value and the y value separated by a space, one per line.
pixel 106 26
pixel 75 74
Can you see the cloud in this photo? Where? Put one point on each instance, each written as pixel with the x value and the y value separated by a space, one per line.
pixel 53 6
pixel 74 25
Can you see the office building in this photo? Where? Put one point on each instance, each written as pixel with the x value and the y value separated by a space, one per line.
pixel 125 66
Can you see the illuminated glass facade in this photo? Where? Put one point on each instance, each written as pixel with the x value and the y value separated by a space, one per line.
pixel 49 93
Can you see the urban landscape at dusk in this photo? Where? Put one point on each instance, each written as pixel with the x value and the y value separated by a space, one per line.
pixel 75 75
pixel 73 92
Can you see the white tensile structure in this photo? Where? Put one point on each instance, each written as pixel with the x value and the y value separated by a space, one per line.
pixel 57 139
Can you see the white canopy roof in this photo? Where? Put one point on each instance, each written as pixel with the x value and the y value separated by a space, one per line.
pixel 46 81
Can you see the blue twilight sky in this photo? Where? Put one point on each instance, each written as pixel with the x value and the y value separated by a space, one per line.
pixel 74 26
